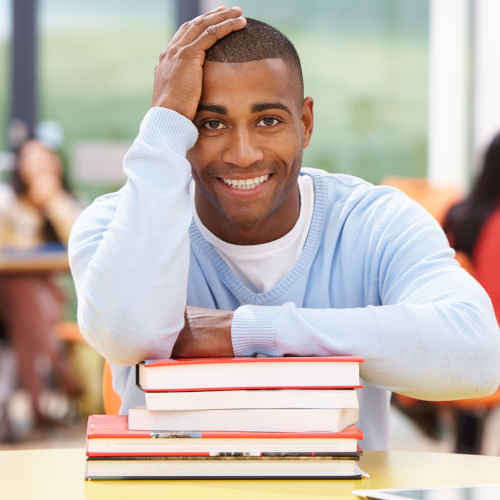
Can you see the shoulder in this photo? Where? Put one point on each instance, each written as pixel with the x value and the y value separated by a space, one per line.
pixel 357 195
pixel 380 214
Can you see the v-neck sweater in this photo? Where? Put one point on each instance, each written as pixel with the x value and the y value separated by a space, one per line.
pixel 376 278
pixel 262 267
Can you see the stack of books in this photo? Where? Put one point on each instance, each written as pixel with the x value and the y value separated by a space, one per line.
pixel 229 418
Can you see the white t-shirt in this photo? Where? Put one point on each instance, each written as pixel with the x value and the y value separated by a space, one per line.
pixel 262 267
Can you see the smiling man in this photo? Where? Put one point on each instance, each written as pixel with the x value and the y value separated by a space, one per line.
pixel 255 254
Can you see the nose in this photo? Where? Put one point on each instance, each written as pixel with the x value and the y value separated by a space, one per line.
pixel 243 150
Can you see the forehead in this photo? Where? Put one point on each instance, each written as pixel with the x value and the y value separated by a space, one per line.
pixel 239 85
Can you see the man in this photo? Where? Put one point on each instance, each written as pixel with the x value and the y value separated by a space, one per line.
pixel 256 255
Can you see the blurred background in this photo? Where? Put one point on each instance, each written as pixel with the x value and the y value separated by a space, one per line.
pixel 406 94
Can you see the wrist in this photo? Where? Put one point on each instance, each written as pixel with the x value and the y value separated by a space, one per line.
pixel 253 330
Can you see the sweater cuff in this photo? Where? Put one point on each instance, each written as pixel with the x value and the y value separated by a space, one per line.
pixel 252 331
pixel 165 126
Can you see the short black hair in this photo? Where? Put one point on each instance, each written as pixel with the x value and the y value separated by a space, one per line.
pixel 256 41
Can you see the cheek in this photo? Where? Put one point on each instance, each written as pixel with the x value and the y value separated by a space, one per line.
pixel 284 150
pixel 200 155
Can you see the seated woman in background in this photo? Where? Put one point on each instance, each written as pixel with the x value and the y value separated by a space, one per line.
pixel 473 227
pixel 35 210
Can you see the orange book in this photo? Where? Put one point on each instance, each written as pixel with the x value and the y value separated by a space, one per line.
pixel 109 436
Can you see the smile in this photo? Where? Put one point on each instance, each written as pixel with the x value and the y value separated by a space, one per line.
pixel 246 183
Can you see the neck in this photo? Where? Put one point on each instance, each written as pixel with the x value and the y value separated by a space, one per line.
pixel 273 227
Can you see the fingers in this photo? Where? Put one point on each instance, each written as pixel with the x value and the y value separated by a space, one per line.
pixel 218 31
pixel 186 26
pixel 201 24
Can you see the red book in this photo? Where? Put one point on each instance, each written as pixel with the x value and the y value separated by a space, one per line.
pixel 219 374
pixel 109 436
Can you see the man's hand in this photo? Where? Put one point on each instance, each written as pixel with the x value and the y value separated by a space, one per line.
pixel 206 334
pixel 179 74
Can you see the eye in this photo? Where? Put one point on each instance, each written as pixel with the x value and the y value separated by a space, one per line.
pixel 267 122
pixel 214 125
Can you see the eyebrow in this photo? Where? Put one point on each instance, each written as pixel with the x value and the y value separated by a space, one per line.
pixel 213 108
pixel 257 108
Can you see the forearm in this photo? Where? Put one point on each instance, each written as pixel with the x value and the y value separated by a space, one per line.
pixel 130 252
pixel 206 334
pixel 62 211
pixel 442 350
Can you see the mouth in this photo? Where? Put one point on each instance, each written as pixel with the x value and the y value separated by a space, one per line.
pixel 245 184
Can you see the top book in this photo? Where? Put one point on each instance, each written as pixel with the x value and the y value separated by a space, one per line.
pixel 229 374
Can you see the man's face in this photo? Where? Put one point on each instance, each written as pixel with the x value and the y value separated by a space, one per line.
pixel 252 133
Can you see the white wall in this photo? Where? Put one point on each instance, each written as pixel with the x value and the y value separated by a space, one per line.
pixel 487 75
pixel 449 93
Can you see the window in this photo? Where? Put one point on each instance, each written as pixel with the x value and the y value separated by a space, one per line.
pixel 365 63
pixel 96 64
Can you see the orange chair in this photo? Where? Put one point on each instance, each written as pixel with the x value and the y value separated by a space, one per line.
pixel 68 331
pixel 112 401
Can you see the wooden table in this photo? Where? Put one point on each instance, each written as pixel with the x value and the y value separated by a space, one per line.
pixel 59 474
pixel 33 262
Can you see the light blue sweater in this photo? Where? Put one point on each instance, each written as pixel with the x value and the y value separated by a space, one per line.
pixel 376 279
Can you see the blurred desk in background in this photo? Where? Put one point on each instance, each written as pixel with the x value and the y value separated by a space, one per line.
pixel 44 259
pixel 59 474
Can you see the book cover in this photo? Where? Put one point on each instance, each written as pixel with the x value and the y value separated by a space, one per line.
pixel 284 359
pixel 116 426
pixel 213 374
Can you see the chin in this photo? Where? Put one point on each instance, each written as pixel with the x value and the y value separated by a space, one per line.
pixel 245 219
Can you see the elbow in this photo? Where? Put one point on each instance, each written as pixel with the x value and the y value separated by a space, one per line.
pixel 125 342
pixel 487 370
pixel 477 373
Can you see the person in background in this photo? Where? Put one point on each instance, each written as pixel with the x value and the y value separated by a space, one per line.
pixel 35 210
pixel 473 227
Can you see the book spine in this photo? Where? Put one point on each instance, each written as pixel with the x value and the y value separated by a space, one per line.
pixel 220 454
pixel 250 388
pixel 137 382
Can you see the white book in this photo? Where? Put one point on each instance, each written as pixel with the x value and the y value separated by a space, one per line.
pixel 205 374
pixel 189 468
pixel 252 399
pixel 268 420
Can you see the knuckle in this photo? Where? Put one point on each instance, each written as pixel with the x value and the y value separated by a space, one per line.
pixel 183 52
pixel 212 30
pixel 172 51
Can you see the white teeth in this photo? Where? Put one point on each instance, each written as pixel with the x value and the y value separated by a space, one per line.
pixel 246 183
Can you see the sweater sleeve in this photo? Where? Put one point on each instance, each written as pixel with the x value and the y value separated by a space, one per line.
pixel 434 335
pixel 129 251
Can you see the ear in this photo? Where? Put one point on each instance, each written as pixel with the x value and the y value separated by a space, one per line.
pixel 307 119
